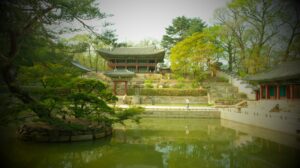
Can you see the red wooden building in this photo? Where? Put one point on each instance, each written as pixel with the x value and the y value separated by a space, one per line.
pixel 281 82
pixel 133 59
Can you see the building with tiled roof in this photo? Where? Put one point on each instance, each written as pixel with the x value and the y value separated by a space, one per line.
pixel 281 82
pixel 133 59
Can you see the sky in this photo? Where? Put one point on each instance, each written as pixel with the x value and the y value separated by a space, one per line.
pixel 135 20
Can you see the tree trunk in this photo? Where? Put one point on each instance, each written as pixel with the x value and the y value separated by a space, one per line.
pixel 9 74
pixel 230 63
pixel 287 51
pixel 96 63
pixel 230 57
pixel 91 64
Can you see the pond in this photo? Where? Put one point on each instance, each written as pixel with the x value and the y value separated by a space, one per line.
pixel 163 143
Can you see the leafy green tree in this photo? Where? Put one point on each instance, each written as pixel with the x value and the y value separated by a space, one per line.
pixel 195 54
pixel 252 29
pixel 262 18
pixel 227 43
pixel 181 28
pixel 109 38
pixel 26 21
pixel 57 87
pixel 89 96
pixel 83 47
pixel 234 25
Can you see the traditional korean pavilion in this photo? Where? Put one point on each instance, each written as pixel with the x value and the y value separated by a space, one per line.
pixel 282 82
pixel 139 60
pixel 120 76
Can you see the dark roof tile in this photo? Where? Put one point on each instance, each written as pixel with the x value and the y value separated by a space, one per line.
pixel 146 52
pixel 285 71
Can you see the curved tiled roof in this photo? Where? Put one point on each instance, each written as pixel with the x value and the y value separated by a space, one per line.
pixel 119 73
pixel 285 71
pixel 149 52
pixel 78 65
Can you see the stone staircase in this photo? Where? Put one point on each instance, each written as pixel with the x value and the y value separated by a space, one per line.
pixel 243 85
pixel 223 93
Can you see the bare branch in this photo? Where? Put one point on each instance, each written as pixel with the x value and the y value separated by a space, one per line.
pixel 90 28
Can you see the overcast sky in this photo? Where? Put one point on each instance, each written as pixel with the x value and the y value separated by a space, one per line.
pixel 135 20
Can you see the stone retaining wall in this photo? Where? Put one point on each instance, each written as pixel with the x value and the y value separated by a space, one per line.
pixel 163 99
pixel 181 114
pixel 286 122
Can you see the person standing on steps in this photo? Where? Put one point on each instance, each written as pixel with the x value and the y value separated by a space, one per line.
pixel 187 101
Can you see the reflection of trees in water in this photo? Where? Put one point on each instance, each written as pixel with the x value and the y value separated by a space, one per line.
pixel 265 153
pixel 73 159
pixel 253 152
pixel 188 155
pixel 57 155
pixel 208 146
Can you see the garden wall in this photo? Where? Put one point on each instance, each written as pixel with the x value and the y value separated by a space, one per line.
pixel 167 92
pixel 164 99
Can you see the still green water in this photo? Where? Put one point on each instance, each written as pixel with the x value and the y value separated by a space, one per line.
pixel 164 143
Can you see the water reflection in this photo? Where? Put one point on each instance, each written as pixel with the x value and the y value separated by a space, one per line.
pixel 165 143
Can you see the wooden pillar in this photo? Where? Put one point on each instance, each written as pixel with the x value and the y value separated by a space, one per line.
pixel 278 91
pixel 261 92
pixel 267 92
pixel 136 65
pixel 288 91
pixel 292 92
pixel 125 87
pixel 257 93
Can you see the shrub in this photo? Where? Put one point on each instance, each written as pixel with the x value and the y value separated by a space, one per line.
pixel 242 95
pixel 148 83
pixel 222 79
pixel 179 85
pixel 195 84
pixel 242 74
pixel 200 77
pixel 166 86
pixel 180 79
pixel 180 82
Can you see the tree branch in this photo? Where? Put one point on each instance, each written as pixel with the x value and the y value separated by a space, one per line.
pixel 29 25
pixel 90 28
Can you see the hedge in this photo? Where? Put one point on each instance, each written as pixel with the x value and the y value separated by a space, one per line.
pixel 169 92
